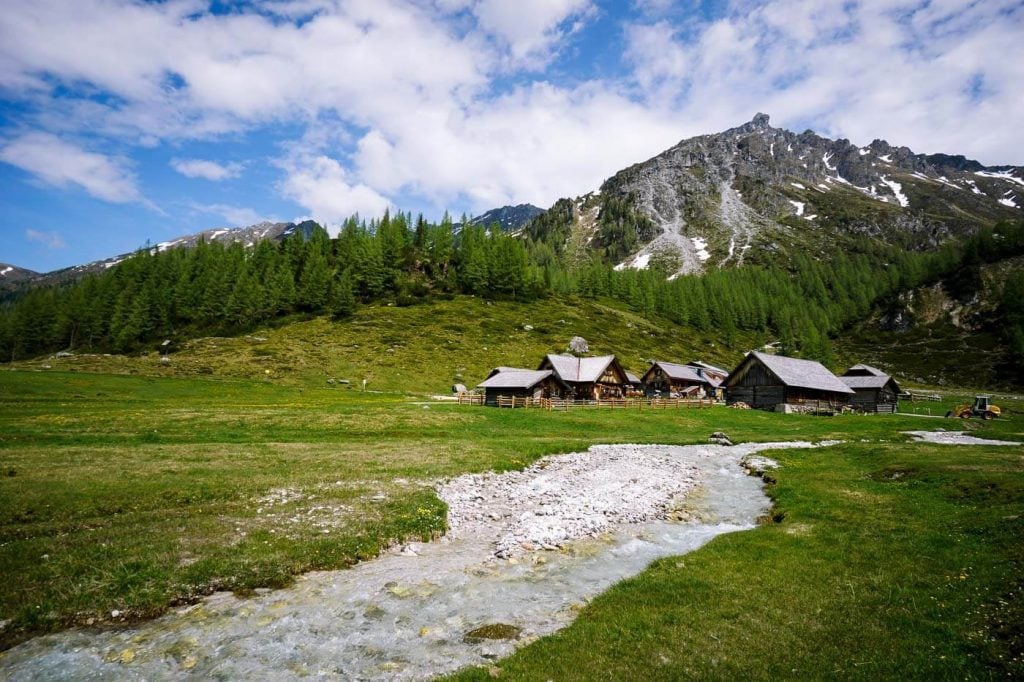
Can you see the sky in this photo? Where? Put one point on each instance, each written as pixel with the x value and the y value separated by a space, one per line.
pixel 125 122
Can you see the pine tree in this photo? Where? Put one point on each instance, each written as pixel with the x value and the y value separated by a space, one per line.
pixel 344 298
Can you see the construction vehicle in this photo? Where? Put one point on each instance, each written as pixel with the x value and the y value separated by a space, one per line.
pixel 982 407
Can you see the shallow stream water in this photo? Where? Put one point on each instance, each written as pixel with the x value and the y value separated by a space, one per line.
pixel 401 616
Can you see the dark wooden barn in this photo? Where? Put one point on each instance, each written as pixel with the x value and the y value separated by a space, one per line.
pixel 874 390
pixel 513 382
pixel 774 382
pixel 589 378
pixel 669 379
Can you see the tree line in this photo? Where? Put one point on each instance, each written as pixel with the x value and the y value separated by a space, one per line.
pixel 217 289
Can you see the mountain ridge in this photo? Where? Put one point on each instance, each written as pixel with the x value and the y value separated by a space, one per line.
pixel 754 190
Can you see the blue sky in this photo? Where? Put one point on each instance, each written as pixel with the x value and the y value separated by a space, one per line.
pixel 124 122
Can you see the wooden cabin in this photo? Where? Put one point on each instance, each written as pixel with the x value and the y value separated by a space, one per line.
pixel 710 371
pixel 775 382
pixel 593 378
pixel 668 379
pixel 635 386
pixel 874 390
pixel 513 382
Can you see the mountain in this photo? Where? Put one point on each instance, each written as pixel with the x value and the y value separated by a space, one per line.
pixel 19 278
pixel 755 192
pixel 511 218
pixel 12 275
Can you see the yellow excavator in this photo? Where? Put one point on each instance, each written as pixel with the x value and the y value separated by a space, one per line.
pixel 982 407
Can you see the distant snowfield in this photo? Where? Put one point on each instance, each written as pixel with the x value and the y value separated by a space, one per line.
pixel 3 273
pixel 799 206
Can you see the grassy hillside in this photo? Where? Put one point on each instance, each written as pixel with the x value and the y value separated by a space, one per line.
pixel 421 348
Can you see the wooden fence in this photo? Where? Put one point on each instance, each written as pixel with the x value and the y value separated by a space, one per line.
pixel 616 403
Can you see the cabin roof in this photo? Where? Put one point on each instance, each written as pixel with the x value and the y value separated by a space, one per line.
pixel 514 377
pixel 579 370
pixel 719 370
pixel 633 379
pixel 799 373
pixel 865 370
pixel 867 381
pixel 680 372
pixel 686 373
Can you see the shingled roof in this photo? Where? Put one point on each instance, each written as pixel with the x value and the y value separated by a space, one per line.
pixel 579 370
pixel 862 370
pixel 514 377
pixel 687 373
pixel 801 373
pixel 866 382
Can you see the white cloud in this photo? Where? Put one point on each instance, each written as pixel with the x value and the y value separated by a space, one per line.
pixel 896 69
pixel 322 186
pixel 236 216
pixel 442 100
pixel 50 240
pixel 62 163
pixel 209 170
pixel 532 28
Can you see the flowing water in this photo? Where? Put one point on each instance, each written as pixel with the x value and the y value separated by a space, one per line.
pixel 403 615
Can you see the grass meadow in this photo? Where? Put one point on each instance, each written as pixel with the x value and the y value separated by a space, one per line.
pixel 130 494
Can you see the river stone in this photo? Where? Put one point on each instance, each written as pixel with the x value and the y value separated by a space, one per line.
pixel 491 631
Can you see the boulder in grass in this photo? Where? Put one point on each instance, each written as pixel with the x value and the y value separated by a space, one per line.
pixel 719 438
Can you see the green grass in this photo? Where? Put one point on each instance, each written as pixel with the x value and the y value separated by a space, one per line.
pixel 891 561
pixel 134 493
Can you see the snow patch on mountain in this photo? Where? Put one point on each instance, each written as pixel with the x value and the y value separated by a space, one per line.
pixel 897 190
pixel 1001 175
pixel 701 246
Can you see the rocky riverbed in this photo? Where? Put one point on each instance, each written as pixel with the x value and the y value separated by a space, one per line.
pixel 527 550
pixel 956 438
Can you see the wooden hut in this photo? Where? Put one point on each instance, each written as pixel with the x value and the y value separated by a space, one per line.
pixel 776 382
pixel 710 370
pixel 513 382
pixel 635 386
pixel 588 378
pixel 670 379
pixel 874 390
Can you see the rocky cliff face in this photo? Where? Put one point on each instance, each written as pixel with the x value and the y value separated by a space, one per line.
pixel 754 190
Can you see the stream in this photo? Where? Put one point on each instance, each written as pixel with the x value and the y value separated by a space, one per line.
pixel 409 614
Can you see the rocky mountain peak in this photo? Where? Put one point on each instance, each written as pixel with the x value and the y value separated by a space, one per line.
pixel 754 192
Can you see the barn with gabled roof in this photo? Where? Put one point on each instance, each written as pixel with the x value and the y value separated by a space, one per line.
pixel 591 378
pixel 874 390
pixel 514 382
pixel 766 381
pixel 668 378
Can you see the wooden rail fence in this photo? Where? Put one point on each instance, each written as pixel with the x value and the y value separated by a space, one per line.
pixel 614 403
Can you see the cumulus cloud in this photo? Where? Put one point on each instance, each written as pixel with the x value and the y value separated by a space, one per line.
pixel 906 71
pixel 448 100
pixel 208 170
pixel 50 240
pixel 532 28
pixel 322 186
pixel 62 163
